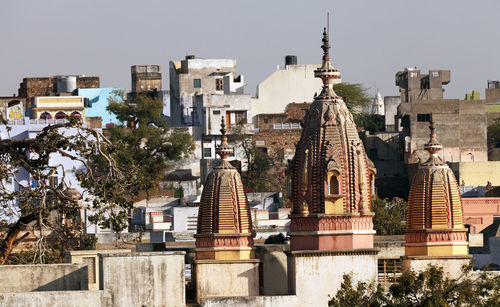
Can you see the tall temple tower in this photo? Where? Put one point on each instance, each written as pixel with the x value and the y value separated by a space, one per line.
pixel 332 179
pixel 435 218
pixel 224 238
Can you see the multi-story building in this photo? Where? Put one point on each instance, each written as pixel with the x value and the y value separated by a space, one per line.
pixel 461 124
pixel 146 78
pixel 191 77
pixel 294 83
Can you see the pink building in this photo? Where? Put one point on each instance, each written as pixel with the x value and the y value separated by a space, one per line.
pixel 479 212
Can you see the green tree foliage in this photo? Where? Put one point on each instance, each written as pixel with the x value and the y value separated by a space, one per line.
pixel 370 122
pixel 354 95
pixel 389 216
pixel 115 169
pixel 428 288
pixel 140 151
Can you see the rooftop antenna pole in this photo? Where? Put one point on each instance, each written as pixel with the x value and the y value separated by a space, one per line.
pixel 328 22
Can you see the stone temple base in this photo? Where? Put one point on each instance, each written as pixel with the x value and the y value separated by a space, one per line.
pixel 452 265
pixel 314 275
pixel 226 278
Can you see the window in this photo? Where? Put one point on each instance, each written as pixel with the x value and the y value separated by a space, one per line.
pixel 197 83
pixel 497 144
pixel 216 112
pixel 207 152
pixel 424 117
pixel 333 184
pixel 219 84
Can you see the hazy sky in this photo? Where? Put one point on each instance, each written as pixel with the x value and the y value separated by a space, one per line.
pixel 371 40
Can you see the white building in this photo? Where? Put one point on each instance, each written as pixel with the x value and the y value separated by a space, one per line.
pixel 293 83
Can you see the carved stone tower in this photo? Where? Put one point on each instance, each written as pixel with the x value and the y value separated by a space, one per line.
pixel 224 229
pixel 332 175
pixel 435 218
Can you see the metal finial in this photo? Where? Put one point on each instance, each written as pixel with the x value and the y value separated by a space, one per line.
pixel 223 126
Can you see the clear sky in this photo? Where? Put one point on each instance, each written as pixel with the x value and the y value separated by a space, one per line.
pixel 371 40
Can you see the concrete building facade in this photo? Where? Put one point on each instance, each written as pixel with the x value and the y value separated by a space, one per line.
pixel 461 124
pixel 294 83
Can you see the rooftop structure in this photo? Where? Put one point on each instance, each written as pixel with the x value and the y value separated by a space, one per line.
pixel 146 78
pixel 435 218
pixel 332 175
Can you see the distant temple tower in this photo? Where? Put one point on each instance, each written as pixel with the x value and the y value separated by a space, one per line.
pixel 225 264
pixel 332 180
pixel 224 223
pixel 435 218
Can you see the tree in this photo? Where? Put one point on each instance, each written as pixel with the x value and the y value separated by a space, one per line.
pixel 354 95
pixel 389 216
pixel 263 170
pixel 370 122
pixel 113 170
pixel 427 288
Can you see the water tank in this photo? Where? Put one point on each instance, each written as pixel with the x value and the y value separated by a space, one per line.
pixel 190 57
pixel 290 60
pixel 66 84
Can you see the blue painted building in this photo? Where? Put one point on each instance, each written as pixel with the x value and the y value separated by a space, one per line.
pixel 98 101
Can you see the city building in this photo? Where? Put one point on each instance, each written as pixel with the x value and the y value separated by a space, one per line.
pixel 146 78
pixel 391 104
pixel 58 107
pixel 12 108
pixel 97 102
pixel 461 124
pixel 294 83
pixel 191 77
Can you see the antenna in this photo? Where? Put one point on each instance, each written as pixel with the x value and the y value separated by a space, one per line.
pixel 328 22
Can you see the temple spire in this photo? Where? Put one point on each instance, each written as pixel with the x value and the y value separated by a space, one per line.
pixel 326 72
pixel 224 149
pixel 433 146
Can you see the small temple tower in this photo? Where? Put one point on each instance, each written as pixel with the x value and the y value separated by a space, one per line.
pixel 224 239
pixel 331 229
pixel 435 217
pixel 332 175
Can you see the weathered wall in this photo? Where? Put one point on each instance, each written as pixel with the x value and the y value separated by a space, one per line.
pixel 477 173
pixel 91 259
pixel 260 301
pixel 144 279
pixel 391 104
pixel 452 266
pixel 460 128
pixel 43 277
pixel 314 275
pixel 216 278
pixel 278 142
pixel 56 299
pixel 273 268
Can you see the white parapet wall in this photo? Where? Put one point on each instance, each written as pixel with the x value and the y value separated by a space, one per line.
pixel 144 279
pixel 56 299
pixel 43 277
pixel 226 278
pixel 313 276
pixel 452 265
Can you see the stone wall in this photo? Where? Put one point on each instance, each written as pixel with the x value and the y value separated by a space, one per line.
pixel 144 279
pixel 56 299
pixel 316 275
pixel 273 268
pixel 46 86
pixel 43 277
pixel 260 301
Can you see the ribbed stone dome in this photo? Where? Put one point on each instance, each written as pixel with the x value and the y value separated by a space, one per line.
pixel 224 229
pixel 435 217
